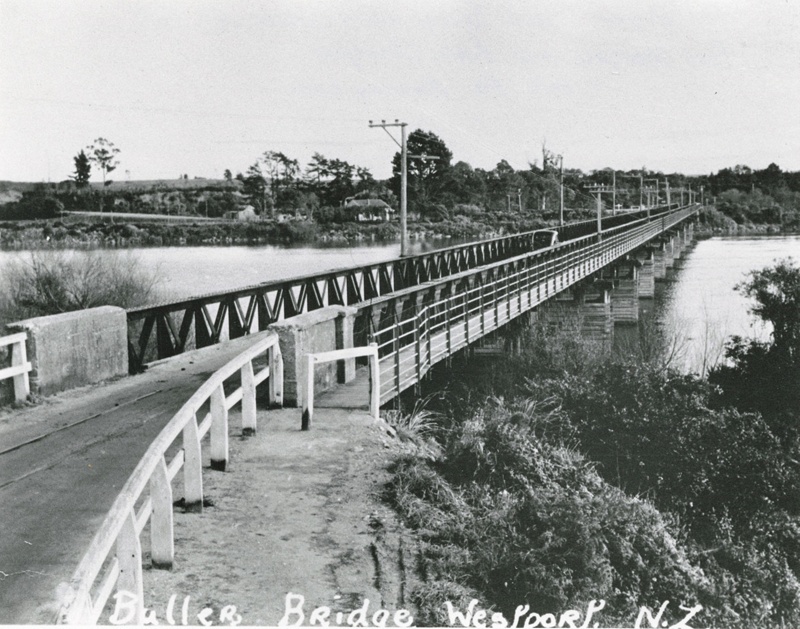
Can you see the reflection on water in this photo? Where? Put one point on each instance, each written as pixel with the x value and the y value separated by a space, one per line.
pixel 700 308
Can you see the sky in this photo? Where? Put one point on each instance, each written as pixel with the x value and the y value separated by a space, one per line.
pixel 198 87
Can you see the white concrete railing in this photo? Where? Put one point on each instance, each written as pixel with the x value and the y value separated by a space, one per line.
pixel 370 350
pixel 20 366
pixel 116 548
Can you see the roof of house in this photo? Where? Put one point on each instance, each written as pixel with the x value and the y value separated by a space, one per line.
pixel 367 203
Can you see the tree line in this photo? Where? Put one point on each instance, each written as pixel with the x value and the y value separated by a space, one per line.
pixel 439 188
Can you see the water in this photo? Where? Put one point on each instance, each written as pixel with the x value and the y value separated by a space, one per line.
pixel 701 309
pixel 184 272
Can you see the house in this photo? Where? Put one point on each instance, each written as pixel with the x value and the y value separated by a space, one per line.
pixel 369 210
pixel 247 213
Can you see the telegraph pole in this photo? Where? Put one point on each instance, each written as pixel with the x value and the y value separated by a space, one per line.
pixel 599 190
pixel 641 190
pixel 614 194
pixel 561 191
pixel 648 190
pixel 403 178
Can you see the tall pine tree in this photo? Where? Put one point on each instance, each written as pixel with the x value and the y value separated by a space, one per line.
pixel 83 169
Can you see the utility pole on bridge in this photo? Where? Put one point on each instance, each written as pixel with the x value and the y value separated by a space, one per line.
pixel 403 178
pixel 649 190
pixel 599 190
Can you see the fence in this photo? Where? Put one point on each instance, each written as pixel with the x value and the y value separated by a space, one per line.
pixel 418 327
pixel 85 598
pixel 20 367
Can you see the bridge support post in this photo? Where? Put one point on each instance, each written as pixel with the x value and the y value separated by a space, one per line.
pixel 647 280
pixel 625 293
pixel 585 309
pixel 677 245
pixel 669 252
pixel 659 262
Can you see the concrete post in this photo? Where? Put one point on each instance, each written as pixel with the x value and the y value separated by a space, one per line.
pixel 74 349
pixel 345 323
pixel 321 330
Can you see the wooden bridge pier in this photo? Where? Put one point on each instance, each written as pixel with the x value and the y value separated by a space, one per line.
pixel 585 310
pixel 624 277
pixel 647 279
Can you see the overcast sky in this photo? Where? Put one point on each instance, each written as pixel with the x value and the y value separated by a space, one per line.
pixel 197 87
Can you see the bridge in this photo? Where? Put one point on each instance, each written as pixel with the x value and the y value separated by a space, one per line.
pixel 417 311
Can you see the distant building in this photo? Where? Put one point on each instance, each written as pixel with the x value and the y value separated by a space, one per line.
pixel 247 213
pixel 369 210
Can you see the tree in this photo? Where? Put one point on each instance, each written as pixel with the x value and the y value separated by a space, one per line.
pixel 255 186
pixel 279 171
pixel 317 170
pixel 83 170
pixel 760 376
pixel 104 154
pixel 426 177
pixel 776 290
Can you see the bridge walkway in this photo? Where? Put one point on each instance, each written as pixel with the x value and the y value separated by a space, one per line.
pixel 297 511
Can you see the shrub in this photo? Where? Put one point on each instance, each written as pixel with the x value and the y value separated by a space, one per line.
pixel 49 282
pixel 519 520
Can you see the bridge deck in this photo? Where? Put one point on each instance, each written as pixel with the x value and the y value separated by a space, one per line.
pixel 62 463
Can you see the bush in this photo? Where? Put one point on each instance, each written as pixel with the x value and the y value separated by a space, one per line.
pixel 519 520
pixel 50 282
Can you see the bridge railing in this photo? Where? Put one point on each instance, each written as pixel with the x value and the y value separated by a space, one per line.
pixel 420 326
pixel 114 558
pixel 20 366
pixel 165 330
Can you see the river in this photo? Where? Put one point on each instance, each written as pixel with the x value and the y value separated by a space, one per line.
pixel 697 304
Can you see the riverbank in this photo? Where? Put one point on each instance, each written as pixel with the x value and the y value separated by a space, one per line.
pixel 77 233
pixel 122 232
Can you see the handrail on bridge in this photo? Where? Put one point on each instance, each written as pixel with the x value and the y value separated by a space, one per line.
pixel 370 350
pixel 419 326
pixel 132 510
pixel 20 366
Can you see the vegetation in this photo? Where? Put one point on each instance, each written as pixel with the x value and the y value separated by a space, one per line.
pixel 445 196
pixel 563 475
pixel 50 282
